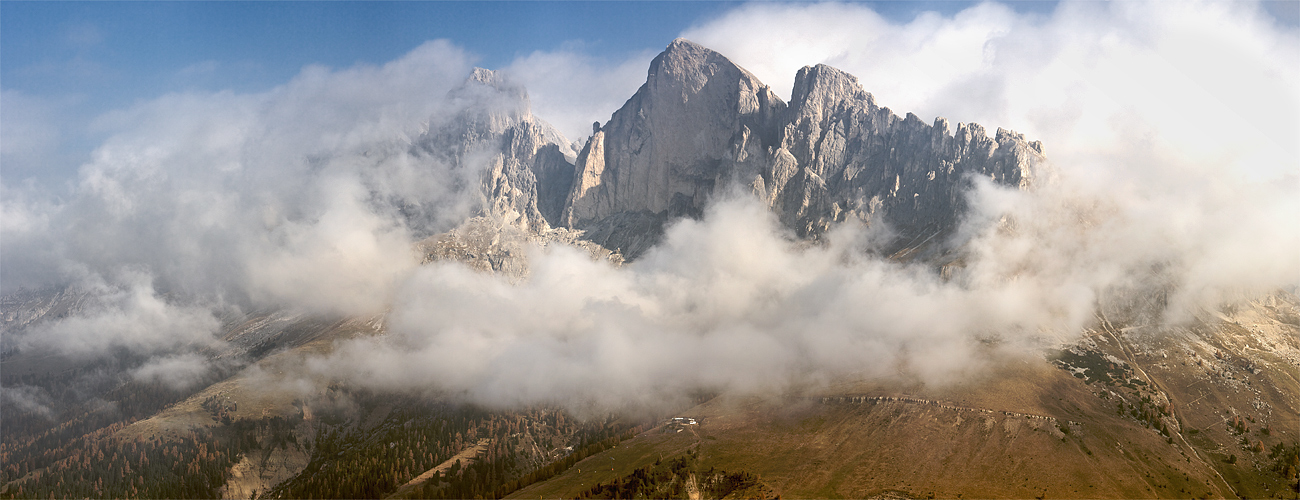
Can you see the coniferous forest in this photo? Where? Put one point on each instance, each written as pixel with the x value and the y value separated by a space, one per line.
pixel 361 445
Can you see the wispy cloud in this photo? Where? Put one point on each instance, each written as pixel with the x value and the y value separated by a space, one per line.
pixel 199 69
pixel 571 90
pixel 28 399
pixel 82 35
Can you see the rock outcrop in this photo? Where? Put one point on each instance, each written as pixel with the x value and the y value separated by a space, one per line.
pixel 524 166
pixel 841 155
pixel 487 244
pixel 671 144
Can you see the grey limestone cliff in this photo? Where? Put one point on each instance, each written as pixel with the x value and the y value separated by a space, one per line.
pixel 701 122
pixel 670 145
pixel 841 155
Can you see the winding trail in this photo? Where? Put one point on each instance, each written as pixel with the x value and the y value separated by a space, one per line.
pixel 1131 358
pixel 465 457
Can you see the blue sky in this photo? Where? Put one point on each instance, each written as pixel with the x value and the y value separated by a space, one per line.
pixel 271 40
pixel 87 46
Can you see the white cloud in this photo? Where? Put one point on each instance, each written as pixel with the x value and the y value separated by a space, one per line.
pixel 131 316
pixel 28 399
pixel 178 372
pixel 729 303
pixel 571 90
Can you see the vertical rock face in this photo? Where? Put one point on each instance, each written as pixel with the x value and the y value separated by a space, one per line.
pixel 522 165
pixel 672 143
pixel 843 156
pixel 701 122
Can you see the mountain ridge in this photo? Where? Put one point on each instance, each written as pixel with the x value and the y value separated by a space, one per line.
pixel 701 123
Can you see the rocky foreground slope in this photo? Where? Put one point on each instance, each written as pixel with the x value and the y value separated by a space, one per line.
pixel 1207 410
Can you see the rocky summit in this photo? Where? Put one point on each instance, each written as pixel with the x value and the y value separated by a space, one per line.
pixel 529 165
pixel 701 124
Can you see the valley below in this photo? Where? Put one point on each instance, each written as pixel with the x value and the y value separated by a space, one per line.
pixel 1206 410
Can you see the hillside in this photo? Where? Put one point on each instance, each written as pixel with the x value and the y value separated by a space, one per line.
pixel 1147 429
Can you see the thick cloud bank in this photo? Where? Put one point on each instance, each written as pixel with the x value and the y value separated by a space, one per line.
pixel 202 205
pixel 732 302
pixel 287 197
pixel 1172 129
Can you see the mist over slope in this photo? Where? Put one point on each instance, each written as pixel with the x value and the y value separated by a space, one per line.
pixel 312 196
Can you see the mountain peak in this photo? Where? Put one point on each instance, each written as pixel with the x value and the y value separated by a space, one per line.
pixel 820 86
pixel 485 76
pixel 662 153
pixel 684 44
pixel 688 65
pixel 486 81
pixel 491 98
